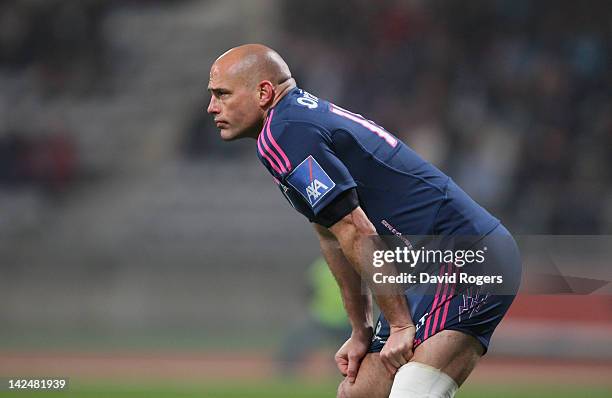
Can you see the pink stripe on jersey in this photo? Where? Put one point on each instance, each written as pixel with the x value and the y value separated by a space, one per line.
pixel 262 153
pixel 268 159
pixel 435 327
pixel 274 144
pixel 365 123
pixel 433 305
pixel 278 166
pixel 443 322
pixel 310 167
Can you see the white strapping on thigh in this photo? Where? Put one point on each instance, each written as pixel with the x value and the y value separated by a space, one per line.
pixel 417 380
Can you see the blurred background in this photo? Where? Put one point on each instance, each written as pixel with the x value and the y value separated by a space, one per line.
pixel 138 248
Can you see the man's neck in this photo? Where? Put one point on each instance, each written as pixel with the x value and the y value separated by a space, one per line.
pixel 282 90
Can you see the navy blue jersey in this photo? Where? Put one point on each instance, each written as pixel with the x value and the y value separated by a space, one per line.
pixel 315 150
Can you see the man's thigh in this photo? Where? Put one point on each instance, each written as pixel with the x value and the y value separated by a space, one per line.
pixel 453 352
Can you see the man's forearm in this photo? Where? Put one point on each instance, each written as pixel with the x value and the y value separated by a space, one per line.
pixel 358 304
pixel 358 241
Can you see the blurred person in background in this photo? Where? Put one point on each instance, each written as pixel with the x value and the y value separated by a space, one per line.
pixel 326 320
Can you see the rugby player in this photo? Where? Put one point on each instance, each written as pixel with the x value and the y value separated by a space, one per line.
pixel 355 181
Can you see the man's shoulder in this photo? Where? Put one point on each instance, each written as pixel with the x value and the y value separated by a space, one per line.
pixel 291 123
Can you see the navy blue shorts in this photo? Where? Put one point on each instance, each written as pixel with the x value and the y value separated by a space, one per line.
pixel 469 308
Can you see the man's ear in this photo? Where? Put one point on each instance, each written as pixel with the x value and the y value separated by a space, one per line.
pixel 265 90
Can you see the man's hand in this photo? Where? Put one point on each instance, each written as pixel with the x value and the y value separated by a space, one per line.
pixel 398 348
pixel 349 356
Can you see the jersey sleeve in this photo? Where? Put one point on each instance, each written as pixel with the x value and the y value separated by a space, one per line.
pixel 314 172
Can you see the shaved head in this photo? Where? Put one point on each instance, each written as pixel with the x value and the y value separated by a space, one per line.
pixel 245 82
pixel 253 63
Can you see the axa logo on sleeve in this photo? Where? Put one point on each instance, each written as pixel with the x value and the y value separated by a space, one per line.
pixel 311 181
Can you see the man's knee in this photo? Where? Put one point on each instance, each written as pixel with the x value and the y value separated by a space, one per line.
pixel 344 390
pixel 348 390
pixel 372 381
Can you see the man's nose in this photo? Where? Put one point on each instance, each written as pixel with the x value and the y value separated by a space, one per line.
pixel 213 108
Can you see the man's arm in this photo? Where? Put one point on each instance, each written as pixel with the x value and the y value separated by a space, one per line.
pixel 358 305
pixel 358 240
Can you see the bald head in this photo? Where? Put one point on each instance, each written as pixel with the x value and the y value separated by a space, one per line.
pixel 252 63
pixel 245 82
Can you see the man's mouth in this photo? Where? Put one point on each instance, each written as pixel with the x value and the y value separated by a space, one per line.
pixel 221 123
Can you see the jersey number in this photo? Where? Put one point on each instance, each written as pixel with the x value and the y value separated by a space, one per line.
pixel 379 131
